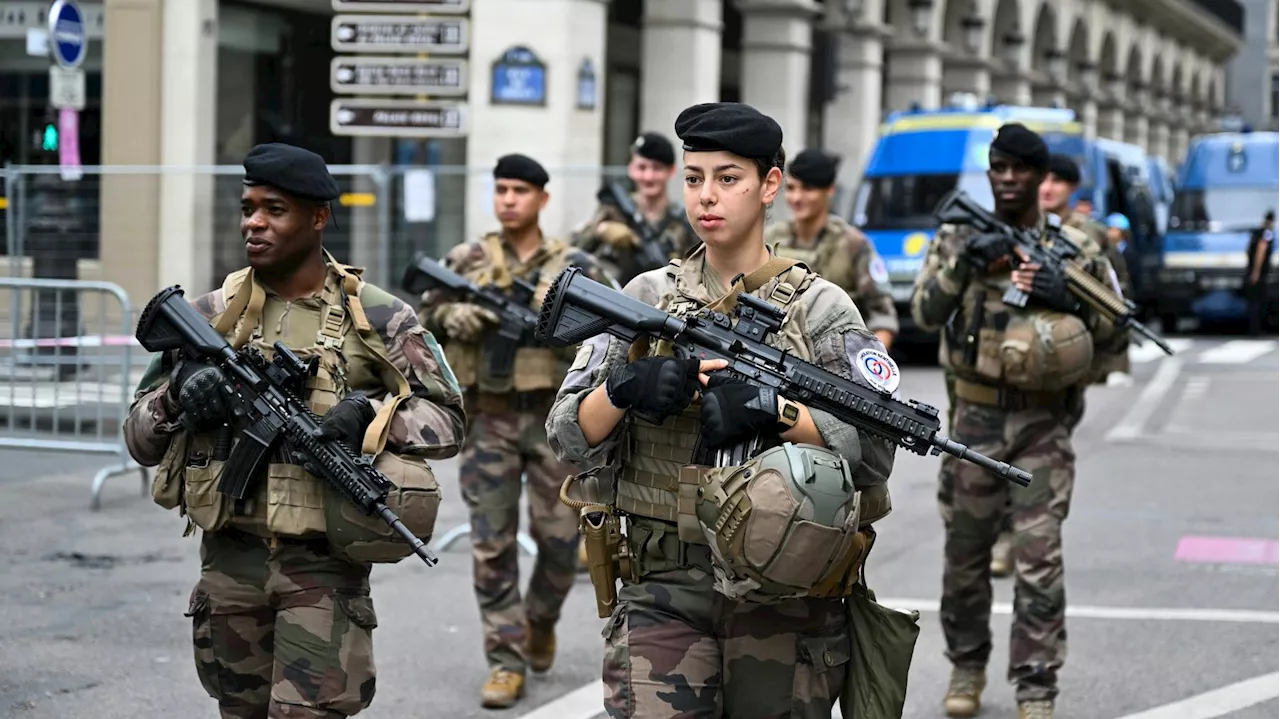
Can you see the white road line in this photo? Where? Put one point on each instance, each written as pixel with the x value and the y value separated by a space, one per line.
pixel 1218 702
pixel 581 703
pixel 1130 427
pixel 1132 613
pixel 1196 388
pixel 1149 351
pixel 1237 352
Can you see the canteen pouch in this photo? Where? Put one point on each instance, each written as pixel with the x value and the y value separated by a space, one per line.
pixel 414 498
pixel 166 485
pixel 882 640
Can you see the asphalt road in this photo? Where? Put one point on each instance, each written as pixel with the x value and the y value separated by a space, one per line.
pixel 1171 567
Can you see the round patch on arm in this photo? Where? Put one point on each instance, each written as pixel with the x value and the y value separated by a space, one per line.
pixel 878 271
pixel 878 369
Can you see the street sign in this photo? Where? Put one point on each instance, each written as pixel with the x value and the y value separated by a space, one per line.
pixel 67 37
pixel 440 7
pixel 375 117
pixel 399 33
pixel 399 76
pixel 66 87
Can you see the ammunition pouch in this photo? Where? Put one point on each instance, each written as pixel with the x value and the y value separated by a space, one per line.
pixel 414 498
pixel 202 466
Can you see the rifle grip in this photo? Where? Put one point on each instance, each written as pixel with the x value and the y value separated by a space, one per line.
pixel 1015 297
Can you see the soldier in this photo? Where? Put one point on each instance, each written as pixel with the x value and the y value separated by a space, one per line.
pixel 690 636
pixel 615 238
pixel 1257 270
pixel 1016 404
pixel 282 617
pixel 506 437
pixel 835 248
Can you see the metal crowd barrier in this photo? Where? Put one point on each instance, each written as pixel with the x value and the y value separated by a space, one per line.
pixel 68 370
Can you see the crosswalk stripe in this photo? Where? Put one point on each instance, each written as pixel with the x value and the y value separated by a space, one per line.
pixel 1149 351
pixel 1237 352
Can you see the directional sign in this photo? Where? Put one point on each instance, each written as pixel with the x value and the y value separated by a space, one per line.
pixel 66 87
pixel 399 33
pixel 399 76
pixel 67 37
pixel 397 118
pixel 433 6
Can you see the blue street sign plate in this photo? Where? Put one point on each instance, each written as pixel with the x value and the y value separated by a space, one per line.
pixel 67 39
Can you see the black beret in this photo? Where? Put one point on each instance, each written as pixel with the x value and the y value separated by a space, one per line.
pixel 1064 168
pixel 730 126
pixel 520 167
pixel 814 168
pixel 1015 140
pixel 653 146
pixel 299 172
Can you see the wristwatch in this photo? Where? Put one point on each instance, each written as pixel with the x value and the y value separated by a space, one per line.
pixel 788 413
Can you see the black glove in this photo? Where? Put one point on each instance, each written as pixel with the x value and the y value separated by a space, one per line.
pixel 653 387
pixel 984 250
pixel 346 422
pixel 733 411
pixel 1050 287
pixel 196 395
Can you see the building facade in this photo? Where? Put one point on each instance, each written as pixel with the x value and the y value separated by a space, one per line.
pixel 191 84
pixel 1253 75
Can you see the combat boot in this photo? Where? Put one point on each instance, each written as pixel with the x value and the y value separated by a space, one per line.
pixel 1037 709
pixel 1000 565
pixel 964 692
pixel 502 689
pixel 540 648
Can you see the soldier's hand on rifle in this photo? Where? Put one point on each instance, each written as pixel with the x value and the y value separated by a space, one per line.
pixel 346 422
pixel 195 394
pixel 466 322
pixel 1048 285
pixel 654 386
pixel 733 411
pixel 983 251
pixel 617 235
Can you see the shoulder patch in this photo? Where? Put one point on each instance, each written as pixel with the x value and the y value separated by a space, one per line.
pixel 430 341
pixel 878 369
pixel 877 269
pixel 372 295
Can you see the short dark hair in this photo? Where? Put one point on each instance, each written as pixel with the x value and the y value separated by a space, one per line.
pixel 1270 216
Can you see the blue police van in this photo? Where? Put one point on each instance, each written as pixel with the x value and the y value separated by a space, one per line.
pixel 924 154
pixel 1225 185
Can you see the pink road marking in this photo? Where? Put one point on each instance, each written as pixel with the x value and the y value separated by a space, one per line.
pixel 1228 550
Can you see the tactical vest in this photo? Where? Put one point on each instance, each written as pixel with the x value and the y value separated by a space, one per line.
pixel 835 266
pixel 1033 349
pixel 292 502
pixel 535 368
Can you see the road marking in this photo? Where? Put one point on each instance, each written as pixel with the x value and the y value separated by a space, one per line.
pixel 1149 351
pixel 1237 352
pixel 1130 427
pixel 1196 388
pixel 1218 702
pixel 584 702
pixel 1135 613
pixel 1227 550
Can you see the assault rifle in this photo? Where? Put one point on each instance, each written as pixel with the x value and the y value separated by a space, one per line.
pixel 516 316
pixel 960 209
pixel 654 250
pixel 265 405
pixel 577 308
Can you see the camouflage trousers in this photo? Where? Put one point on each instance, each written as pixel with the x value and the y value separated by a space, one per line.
pixel 972 503
pixel 499 448
pixel 282 633
pixel 677 649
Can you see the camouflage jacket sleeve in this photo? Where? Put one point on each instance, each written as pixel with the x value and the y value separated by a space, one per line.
pixel 587 235
pixel 1106 336
pixel 462 259
pixel 942 280
pixel 837 333
pixel 148 429
pixel 596 358
pixel 431 422
pixel 870 291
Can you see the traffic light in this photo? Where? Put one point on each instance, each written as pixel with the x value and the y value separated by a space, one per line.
pixel 49 139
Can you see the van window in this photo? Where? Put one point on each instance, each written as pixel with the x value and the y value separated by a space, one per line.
pixel 1221 209
pixel 908 201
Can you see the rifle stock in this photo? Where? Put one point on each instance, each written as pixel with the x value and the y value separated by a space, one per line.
pixel 266 406
pixel 577 308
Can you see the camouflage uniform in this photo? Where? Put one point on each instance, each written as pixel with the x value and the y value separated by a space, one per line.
pixel 1028 429
pixel 844 256
pixel 615 253
pixel 674 645
pixel 1116 360
pixel 506 439
pixel 282 625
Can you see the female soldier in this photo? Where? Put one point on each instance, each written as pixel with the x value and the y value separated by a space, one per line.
pixel 689 637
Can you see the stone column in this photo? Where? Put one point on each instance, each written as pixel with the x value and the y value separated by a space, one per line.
pixel 777 39
pixel 1011 88
pixel 966 74
pixel 1084 101
pixel 852 122
pixel 1177 132
pixel 681 60
pixel 914 75
pixel 1158 126
pixel 1136 123
pixel 1111 113
pixel 568 141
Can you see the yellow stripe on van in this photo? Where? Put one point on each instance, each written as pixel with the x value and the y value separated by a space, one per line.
pixel 973 122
